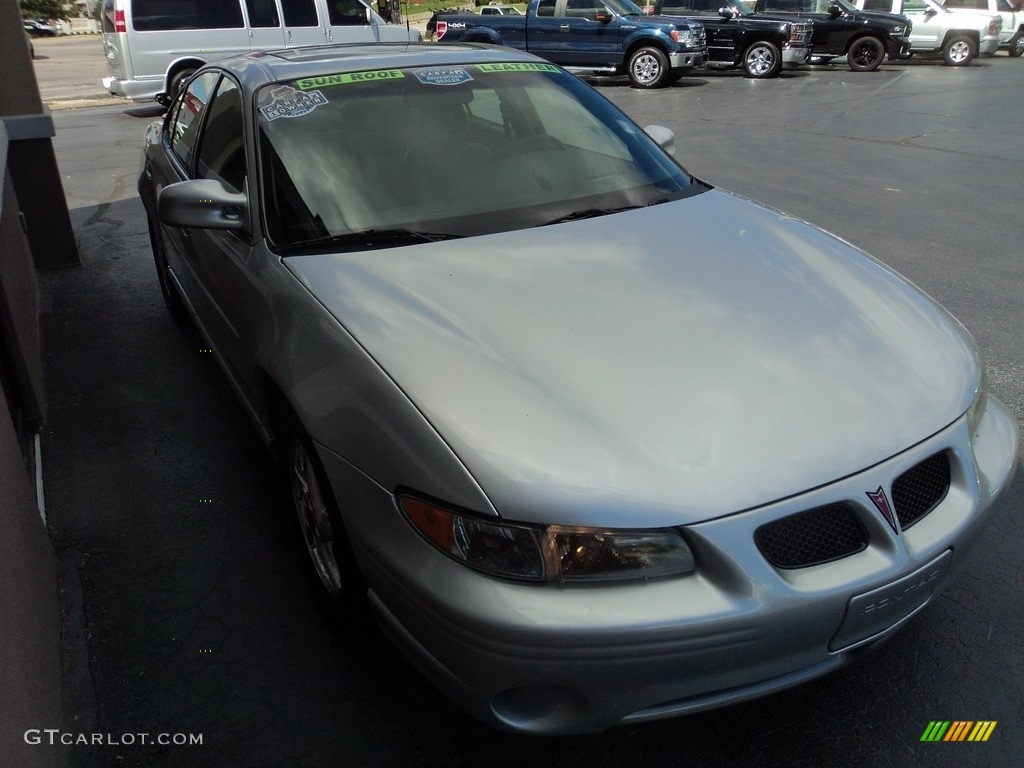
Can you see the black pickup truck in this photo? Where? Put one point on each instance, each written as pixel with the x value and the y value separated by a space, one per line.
pixel 604 36
pixel 739 38
pixel 840 29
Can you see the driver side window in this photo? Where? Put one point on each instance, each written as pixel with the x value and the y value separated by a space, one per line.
pixel 222 150
pixel 188 116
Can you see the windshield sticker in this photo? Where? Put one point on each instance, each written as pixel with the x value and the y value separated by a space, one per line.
pixel 444 76
pixel 288 102
pixel 518 67
pixel 309 83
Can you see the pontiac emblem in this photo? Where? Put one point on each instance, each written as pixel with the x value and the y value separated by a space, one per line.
pixel 880 500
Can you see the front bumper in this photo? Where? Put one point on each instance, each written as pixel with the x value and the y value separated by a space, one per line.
pixel 988 45
pixel 898 48
pixel 558 658
pixel 796 56
pixel 687 60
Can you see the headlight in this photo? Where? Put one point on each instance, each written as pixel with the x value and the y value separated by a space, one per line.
pixel 683 37
pixel 549 553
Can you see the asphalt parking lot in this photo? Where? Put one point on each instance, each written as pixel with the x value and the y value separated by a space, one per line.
pixel 186 611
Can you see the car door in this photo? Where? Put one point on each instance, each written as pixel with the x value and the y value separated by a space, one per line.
pixel 180 140
pixel 582 39
pixel 265 29
pixel 214 264
pixel 348 22
pixel 302 23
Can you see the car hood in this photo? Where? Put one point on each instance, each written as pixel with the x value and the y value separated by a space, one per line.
pixel 661 366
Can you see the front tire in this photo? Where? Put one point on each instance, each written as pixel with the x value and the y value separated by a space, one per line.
pixel 330 564
pixel 1016 45
pixel 865 54
pixel 761 60
pixel 177 83
pixel 648 68
pixel 959 51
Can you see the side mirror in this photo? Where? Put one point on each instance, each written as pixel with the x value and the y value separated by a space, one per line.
pixel 663 136
pixel 202 204
pixel 163 99
pixel 603 17
pixel 726 12
pixel 835 11
pixel 929 12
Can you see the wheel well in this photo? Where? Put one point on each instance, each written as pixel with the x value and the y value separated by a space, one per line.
pixel 861 37
pixel 971 33
pixel 643 44
pixel 178 66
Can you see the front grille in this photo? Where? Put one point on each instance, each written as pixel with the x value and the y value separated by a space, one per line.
pixel 809 538
pixel 921 489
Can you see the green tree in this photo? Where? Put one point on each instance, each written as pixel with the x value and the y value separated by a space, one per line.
pixel 42 9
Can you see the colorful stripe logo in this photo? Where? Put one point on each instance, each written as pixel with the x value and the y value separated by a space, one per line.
pixel 958 730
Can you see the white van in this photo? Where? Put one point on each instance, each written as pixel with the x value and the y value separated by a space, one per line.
pixel 155 45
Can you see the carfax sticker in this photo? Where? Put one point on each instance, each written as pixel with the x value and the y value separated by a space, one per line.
pixel 326 81
pixel 443 76
pixel 288 102
pixel 523 66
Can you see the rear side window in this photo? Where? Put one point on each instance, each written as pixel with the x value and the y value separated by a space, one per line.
pixel 262 13
pixel 163 15
pixel 300 13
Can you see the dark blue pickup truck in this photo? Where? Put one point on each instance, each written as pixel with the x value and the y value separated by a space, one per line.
pixel 604 36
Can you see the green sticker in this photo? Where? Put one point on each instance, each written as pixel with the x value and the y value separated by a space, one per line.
pixel 520 67
pixel 325 81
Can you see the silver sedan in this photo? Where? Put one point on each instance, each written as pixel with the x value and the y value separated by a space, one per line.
pixel 597 442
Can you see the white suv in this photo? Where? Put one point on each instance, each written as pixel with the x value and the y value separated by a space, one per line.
pixel 1012 36
pixel 958 36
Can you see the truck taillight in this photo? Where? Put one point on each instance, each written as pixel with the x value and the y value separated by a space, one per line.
pixel 119 25
pixel 440 29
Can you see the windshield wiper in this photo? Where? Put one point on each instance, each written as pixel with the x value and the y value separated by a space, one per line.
pixel 587 213
pixel 375 237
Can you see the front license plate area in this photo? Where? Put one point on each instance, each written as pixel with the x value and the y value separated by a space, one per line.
pixel 872 613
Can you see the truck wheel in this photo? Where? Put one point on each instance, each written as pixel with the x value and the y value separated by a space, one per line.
pixel 865 54
pixel 178 81
pixel 959 50
pixel 761 60
pixel 648 68
pixel 1016 45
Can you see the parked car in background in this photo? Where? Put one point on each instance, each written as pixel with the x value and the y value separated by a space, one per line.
pixel 38 28
pixel 841 30
pixel 738 38
pixel 1012 36
pixel 153 47
pixel 597 442
pixel 958 37
pixel 612 37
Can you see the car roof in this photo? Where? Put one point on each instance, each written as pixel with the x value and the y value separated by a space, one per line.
pixel 256 69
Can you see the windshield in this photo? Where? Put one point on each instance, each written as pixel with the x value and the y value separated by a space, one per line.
pixel 455 151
